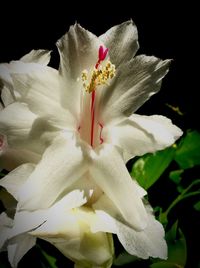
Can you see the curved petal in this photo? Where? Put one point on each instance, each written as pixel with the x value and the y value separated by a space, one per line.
pixel 24 131
pixel 15 179
pixel 26 221
pixel 5 77
pixel 41 90
pixel 135 82
pixel 28 63
pixel 121 41
pixel 69 231
pixel 15 122
pixel 18 247
pixel 5 226
pixel 1 106
pixel 161 127
pixel 62 164
pixel 16 67
pixel 139 134
pixel 110 174
pixel 12 158
pixel 78 50
pixel 39 56
pixel 7 96
pixel 146 243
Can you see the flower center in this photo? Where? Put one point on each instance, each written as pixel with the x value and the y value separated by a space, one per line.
pixel 100 75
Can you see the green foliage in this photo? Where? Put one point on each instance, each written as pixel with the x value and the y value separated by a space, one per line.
pixel 172 165
pixel 197 206
pixel 124 258
pixel 148 169
pixel 50 260
pixel 188 152
pixel 177 249
pixel 175 175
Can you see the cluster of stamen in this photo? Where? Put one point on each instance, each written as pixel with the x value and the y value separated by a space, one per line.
pixel 99 76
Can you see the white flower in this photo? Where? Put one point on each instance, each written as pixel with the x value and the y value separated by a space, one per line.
pixel 84 114
pixel 11 156
pixel 66 225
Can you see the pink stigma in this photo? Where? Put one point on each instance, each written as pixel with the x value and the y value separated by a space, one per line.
pixel 102 53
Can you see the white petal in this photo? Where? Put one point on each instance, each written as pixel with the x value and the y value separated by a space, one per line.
pixel 42 91
pixel 7 96
pixel 72 200
pixel 69 231
pixel 12 158
pixel 24 130
pixel 160 127
pixel 15 122
pixel 146 243
pixel 5 226
pixel 78 50
pixel 121 41
pixel 110 174
pixel 25 221
pixel 20 67
pixel 104 223
pixel 39 56
pixel 135 82
pixel 19 247
pixel 16 67
pixel 61 165
pixel 139 135
pixel 90 188
pixel 15 179
pixel 47 220
pixel 5 77
pixel 1 106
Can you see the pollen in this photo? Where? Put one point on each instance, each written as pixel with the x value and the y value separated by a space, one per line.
pixel 98 76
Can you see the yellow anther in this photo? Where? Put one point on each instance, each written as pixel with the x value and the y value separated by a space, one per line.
pixel 84 75
pixel 98 76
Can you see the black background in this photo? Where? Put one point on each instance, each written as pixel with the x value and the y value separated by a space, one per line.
pixel 167 29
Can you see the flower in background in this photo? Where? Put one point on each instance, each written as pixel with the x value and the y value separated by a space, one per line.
pixel 12 156
pixel 66 225
pixel 81 119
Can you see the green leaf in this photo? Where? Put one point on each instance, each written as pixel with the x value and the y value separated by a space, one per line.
pixel 124 258
pixel 2 174
pixel 177 249
pixel 148 169
pixel 50 259
pixel 188 152
pixel 164 264
pixel 185 193
pixel 197 206
pixel 175 175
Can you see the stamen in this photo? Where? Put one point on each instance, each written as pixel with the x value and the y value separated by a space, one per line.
pixel 98 76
